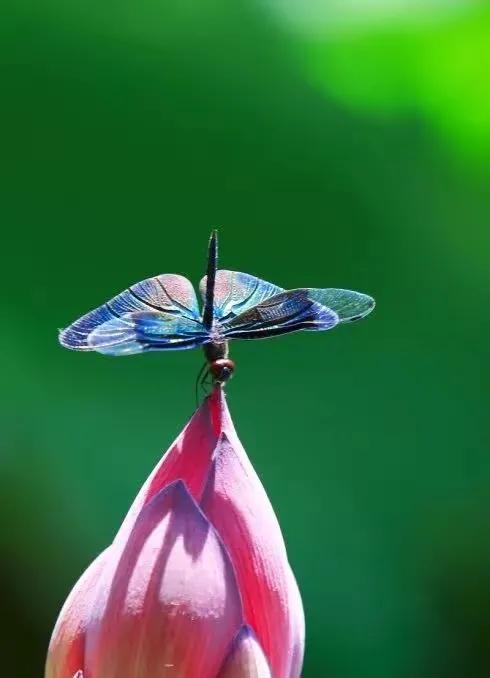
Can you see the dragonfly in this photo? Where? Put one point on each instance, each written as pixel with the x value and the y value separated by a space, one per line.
pixel 162 314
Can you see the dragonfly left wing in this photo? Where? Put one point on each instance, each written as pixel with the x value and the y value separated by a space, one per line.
pixel 146 331
pixel 156 314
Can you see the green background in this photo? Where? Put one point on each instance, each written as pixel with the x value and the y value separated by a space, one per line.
pixel 331 148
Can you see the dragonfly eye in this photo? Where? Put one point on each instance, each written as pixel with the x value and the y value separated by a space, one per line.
pixel 222 369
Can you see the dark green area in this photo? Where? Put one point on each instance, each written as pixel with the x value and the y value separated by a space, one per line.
pixel 121 147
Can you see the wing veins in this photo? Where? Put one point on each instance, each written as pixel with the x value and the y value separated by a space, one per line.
pixel 111 310
pixel 271 321
pixel 275 301
pixel 223 303
pixel 271 332
pixel 146 303
pixel 178 304
pixel 239 305
pixel 82 334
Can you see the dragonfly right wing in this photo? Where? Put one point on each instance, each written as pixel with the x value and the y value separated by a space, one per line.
pixel 283 313
pixel 236 292
pixel 301 309
pixel 348 305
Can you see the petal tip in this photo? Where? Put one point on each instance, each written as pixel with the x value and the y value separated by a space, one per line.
pixel 177 495
pixel 245 657
pixel 216 404
pixel 245 632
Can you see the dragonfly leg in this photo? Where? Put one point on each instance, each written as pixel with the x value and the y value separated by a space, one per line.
pixel 200 380
pixel 206 380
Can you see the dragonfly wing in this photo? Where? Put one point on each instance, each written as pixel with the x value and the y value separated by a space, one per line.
pixel 146 331
pixel 236 292
pixel 285 312
pixel 349 306
pixel 169 296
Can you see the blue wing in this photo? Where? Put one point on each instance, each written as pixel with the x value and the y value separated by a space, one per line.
pixel 285 312
pixel 301 309
pixel 146 331
pixel 156 314
pixel 236 292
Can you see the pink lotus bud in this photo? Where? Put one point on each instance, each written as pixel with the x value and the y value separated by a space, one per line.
pixel 196 583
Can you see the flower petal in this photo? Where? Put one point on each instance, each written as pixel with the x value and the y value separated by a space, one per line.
pixel 297 627
pixel 67 646
pixel 169 601
pixel 245 658
pixel 188 459
pixel 236 504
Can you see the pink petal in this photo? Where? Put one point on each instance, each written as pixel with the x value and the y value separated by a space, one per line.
pixel 67 646
pixel 188 459
pixel 168 599
pixel 245 658
pixel 236 504
pixel 297 627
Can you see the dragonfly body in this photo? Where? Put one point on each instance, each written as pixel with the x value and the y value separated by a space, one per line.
pixel 162 313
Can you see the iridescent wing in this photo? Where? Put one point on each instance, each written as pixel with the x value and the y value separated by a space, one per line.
pixel 348 305
pixel 283 313
pixel 145 331
pixel 292 310
pixel 236 292
pixel 159 313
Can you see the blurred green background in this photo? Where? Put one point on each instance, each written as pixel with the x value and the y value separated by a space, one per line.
pixel 333 143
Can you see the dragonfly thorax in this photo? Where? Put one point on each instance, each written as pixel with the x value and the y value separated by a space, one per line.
pixel 216 350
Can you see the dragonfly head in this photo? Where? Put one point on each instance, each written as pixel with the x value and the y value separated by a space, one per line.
pixel 221 370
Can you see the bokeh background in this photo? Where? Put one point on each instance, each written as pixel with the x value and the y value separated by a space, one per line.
pixel 334 144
